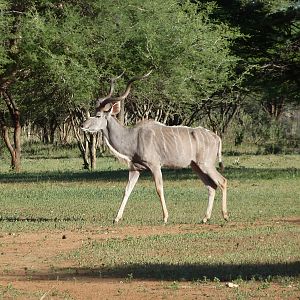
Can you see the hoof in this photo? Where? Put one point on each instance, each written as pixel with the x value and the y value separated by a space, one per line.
pixel 166 217
pixel 115 221
pixel 205 220
pixel 226 217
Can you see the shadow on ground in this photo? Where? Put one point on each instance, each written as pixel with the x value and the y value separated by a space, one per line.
pixel 14 219
pixel 222 272
pixel 168 174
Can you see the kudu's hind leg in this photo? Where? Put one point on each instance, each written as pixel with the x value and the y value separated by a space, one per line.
pixel 211 187
pixel 221 181
pixel 133 178
pixel 157 175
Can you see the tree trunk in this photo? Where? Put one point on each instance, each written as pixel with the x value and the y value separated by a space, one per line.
pixel 45 135
pixel 14 150
pixel 6 139
pixel 83 142
pixel 52 127
pixel 274 107
pixel 17 141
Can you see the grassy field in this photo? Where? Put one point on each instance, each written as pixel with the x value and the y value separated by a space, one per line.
pixel 258 249
pixel 56 192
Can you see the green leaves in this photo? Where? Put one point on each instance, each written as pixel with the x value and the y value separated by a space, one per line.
pixel 63 50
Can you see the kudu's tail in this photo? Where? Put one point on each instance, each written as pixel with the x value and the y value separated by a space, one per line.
pixel 221 165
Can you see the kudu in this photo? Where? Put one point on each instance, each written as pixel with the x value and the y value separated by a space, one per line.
pixel 150 145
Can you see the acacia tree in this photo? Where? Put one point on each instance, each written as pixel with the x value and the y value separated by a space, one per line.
pixel 276 66
pixel 269 54
pixel 189 52
pixel 44 67
pixel 15 147
pixel 8 73
pixel 54 53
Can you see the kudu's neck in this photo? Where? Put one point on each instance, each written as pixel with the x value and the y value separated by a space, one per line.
pixel 121 138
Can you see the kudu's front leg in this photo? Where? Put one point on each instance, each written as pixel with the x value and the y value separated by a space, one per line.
pixel 133 178
pixel 157 175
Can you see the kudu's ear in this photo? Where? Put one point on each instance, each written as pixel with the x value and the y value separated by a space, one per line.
pixel 116 108
pixel 107 107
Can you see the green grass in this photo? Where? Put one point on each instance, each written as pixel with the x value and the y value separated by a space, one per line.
pixel 57 193
pixel 267 253
pixel 10 292
pixel 260 243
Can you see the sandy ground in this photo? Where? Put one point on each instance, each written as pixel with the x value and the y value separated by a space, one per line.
pixel 28 263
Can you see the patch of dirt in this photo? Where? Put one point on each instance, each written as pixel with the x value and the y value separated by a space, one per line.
pixel 27 261
pixel 292 220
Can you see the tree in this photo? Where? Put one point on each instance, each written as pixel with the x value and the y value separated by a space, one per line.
pixel 54 53
pixel 190 53
pixel 15 147
pixel 45 65
pixel 269 59
pixel 269 48
pixel 8 45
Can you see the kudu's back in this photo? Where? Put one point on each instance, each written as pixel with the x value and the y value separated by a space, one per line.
pixel 176 146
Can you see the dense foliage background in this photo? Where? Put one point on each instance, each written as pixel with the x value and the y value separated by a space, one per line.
pixel 233 66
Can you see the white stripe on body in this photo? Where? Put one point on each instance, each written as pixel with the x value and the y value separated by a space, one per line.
pixel 175 140
pixel 219 149
pixel 163 139
pixel 206 144
pixel 208 136
pixel 203 139
pixel 197 143
pixel 191 146
pixel 180 140
pixel 119 155
pixel 216 144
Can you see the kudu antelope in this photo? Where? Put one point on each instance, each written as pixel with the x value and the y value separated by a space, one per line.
pixel 151 145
